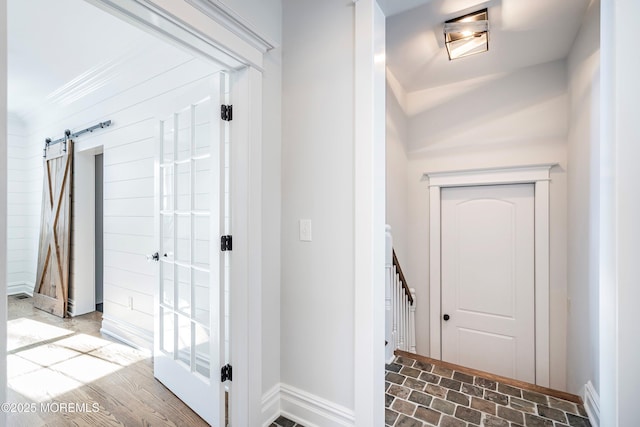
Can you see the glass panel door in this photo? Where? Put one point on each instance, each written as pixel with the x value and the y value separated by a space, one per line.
pixel 190 313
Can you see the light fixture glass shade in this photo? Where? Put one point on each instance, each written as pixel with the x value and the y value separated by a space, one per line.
pixel 467 35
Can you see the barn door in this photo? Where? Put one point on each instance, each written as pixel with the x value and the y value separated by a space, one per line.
pixel 54 252
pixel 189 324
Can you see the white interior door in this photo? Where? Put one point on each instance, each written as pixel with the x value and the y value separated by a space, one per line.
pixel 189 323
pixel 488 317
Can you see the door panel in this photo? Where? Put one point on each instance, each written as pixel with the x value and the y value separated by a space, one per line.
pixel 189 339
pixel 54 252
pixel 488 279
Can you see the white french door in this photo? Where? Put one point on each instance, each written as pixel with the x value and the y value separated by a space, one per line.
pixel 190 298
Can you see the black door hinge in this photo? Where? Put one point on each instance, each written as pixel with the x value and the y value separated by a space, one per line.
pixel 226 373
pixel 225 243
pixel 226 112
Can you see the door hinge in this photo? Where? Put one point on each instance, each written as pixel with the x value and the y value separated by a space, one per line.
pixel 226 243
pixel 226 373
pixel 226 112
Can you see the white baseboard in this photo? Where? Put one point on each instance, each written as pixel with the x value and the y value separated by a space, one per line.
pixel 127 333
pixel 303 408
pixel 271 405
pixel 313 411
pixel 16 288
pixel 592 404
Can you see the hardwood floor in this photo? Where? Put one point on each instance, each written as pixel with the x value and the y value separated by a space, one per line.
pixel 63 372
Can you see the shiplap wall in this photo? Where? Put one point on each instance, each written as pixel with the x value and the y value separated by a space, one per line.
pixel 129 148
pixel 23 209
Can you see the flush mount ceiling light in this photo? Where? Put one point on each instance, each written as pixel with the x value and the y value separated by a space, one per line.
pixel 467 35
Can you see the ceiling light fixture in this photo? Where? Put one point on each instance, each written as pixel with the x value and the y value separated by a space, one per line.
pixel 467 35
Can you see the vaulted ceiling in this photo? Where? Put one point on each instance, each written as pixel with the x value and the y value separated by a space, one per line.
pixel 70 51
pixel 522 33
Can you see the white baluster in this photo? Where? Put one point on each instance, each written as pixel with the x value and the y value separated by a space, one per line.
pixel 403 324
pixel 399 314
pixel 400 327
pixel 396 306
pixel 412 322
pixel 405 313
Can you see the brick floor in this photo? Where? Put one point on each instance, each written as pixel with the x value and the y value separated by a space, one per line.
pixel 425 394
pixel 284 422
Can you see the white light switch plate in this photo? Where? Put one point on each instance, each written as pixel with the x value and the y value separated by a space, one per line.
pixel 305 230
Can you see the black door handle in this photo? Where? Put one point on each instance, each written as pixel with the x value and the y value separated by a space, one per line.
pixel 446 317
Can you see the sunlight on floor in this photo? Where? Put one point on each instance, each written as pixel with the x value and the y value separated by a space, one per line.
pixel 23 332
pixel 46 361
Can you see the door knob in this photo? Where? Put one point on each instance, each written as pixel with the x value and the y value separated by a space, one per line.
pixel 446 317
pixel 153 257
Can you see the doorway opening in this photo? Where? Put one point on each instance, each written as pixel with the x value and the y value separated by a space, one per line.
pixel 99 231
pixel 135 84
pixel 538 175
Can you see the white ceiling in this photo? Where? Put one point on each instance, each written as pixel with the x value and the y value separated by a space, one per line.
pixel 69 51
pixel 522 33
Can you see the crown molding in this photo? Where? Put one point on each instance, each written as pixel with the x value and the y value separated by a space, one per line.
pixel 229 19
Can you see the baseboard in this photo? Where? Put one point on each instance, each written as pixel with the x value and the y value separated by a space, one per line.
pixel 271 405
pixel 70 307
pixel 391 359
pixel 313 411
pixel 303 408
pixel 592 404
pixel 16 288
pixel 127 333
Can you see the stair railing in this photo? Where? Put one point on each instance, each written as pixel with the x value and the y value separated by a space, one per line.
pixel 400 305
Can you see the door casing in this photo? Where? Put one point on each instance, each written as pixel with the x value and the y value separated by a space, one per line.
pixel 535 174
pixel 215 34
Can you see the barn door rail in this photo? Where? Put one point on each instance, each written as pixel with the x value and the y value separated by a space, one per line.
pixel 68 135
pixel 400 305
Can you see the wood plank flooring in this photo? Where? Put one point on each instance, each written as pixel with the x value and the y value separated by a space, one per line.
pixel 67 374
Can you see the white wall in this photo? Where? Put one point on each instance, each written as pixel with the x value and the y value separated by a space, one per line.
pixel 583 199
pixel 619 213
pixel 521 120
pixel 396 168
pixel 3 205
pixel 23 217
pixel 271 217
pixel 129 148
pixel 317 294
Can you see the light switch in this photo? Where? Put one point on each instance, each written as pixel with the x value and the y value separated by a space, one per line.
pixel 305 230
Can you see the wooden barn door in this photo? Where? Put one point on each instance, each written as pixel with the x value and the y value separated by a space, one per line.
pixel 54 252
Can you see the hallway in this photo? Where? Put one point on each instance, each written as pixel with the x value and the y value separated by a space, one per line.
pixel 63 372
pixel 426 392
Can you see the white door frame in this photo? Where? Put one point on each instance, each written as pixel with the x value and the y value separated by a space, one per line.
pixel 213 31
pixel 535 174
pixel 369 213
pixel 83 236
